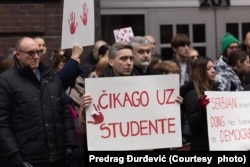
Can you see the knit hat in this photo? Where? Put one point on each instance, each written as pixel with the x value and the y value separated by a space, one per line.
pixel 226 40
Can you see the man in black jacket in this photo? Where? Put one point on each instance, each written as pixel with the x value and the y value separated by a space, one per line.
pixel 35 121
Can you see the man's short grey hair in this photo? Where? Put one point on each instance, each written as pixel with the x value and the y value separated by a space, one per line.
pixel 138 40
pixel 118 46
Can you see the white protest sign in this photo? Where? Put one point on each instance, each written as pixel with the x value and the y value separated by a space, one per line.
pixel 78 23
pixel 133 113
pixel 228 118
pixel 123 34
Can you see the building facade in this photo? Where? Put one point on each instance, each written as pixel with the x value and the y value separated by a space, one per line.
pixel 204 21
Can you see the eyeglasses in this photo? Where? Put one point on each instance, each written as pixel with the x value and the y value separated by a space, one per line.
pixel 32 53
pixel 141 51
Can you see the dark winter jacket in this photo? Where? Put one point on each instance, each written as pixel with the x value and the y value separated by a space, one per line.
pixel 150 71
pixel 197 117
pixel 35 120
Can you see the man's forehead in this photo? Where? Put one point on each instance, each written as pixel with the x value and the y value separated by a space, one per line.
pixel 40 40
pixel 150 39
pixel 142 46
pixel 29 43
pixel 124 51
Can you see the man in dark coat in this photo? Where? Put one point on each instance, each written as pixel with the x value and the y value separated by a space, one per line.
pixel 35 121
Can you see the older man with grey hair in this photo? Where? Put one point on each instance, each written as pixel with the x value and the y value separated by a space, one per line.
pixel 142 56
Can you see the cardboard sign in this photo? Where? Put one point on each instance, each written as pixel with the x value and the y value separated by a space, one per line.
pixel 228 119
pixel 123 34
pixel 133 113
pixel 78 23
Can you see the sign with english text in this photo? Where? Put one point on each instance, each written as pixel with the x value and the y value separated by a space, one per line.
pixel 133 113
pixel 228 119
pixel 78 23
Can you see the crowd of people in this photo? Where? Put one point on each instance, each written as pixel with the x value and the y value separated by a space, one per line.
pixel 43 98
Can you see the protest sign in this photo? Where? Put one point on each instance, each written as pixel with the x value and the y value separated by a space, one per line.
pixel 133 113
pixel 228 119
pixel 78 23
pixel 123 34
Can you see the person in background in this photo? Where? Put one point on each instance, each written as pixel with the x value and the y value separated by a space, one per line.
pixel 102 63
pixel 142 56
pixel 155 57
pixel 245 46
pixel 202 78
pixel 193 54
pixel 228 44
pixel 233 77
pixel 41 44
pixel 58 62
pixel 35 120
pixel 92 59
pixel 5 63
pixel 167 67
pixel 181 44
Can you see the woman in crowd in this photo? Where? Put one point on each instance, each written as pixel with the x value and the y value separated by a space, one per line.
pixel 202 79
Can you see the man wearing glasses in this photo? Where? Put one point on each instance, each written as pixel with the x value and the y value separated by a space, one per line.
pixel 228 44
pixel 36 128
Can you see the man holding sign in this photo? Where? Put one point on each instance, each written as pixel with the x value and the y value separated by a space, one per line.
pixel 121 64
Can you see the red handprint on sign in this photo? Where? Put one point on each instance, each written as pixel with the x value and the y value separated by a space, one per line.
pixel 97 115
pixel 84 16
pixel 72 23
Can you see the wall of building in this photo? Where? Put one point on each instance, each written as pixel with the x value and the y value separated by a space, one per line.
pixel 35 18
pixel 116 4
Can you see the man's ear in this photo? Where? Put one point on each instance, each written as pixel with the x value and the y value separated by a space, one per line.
pixel 111 62
pixel 17 54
